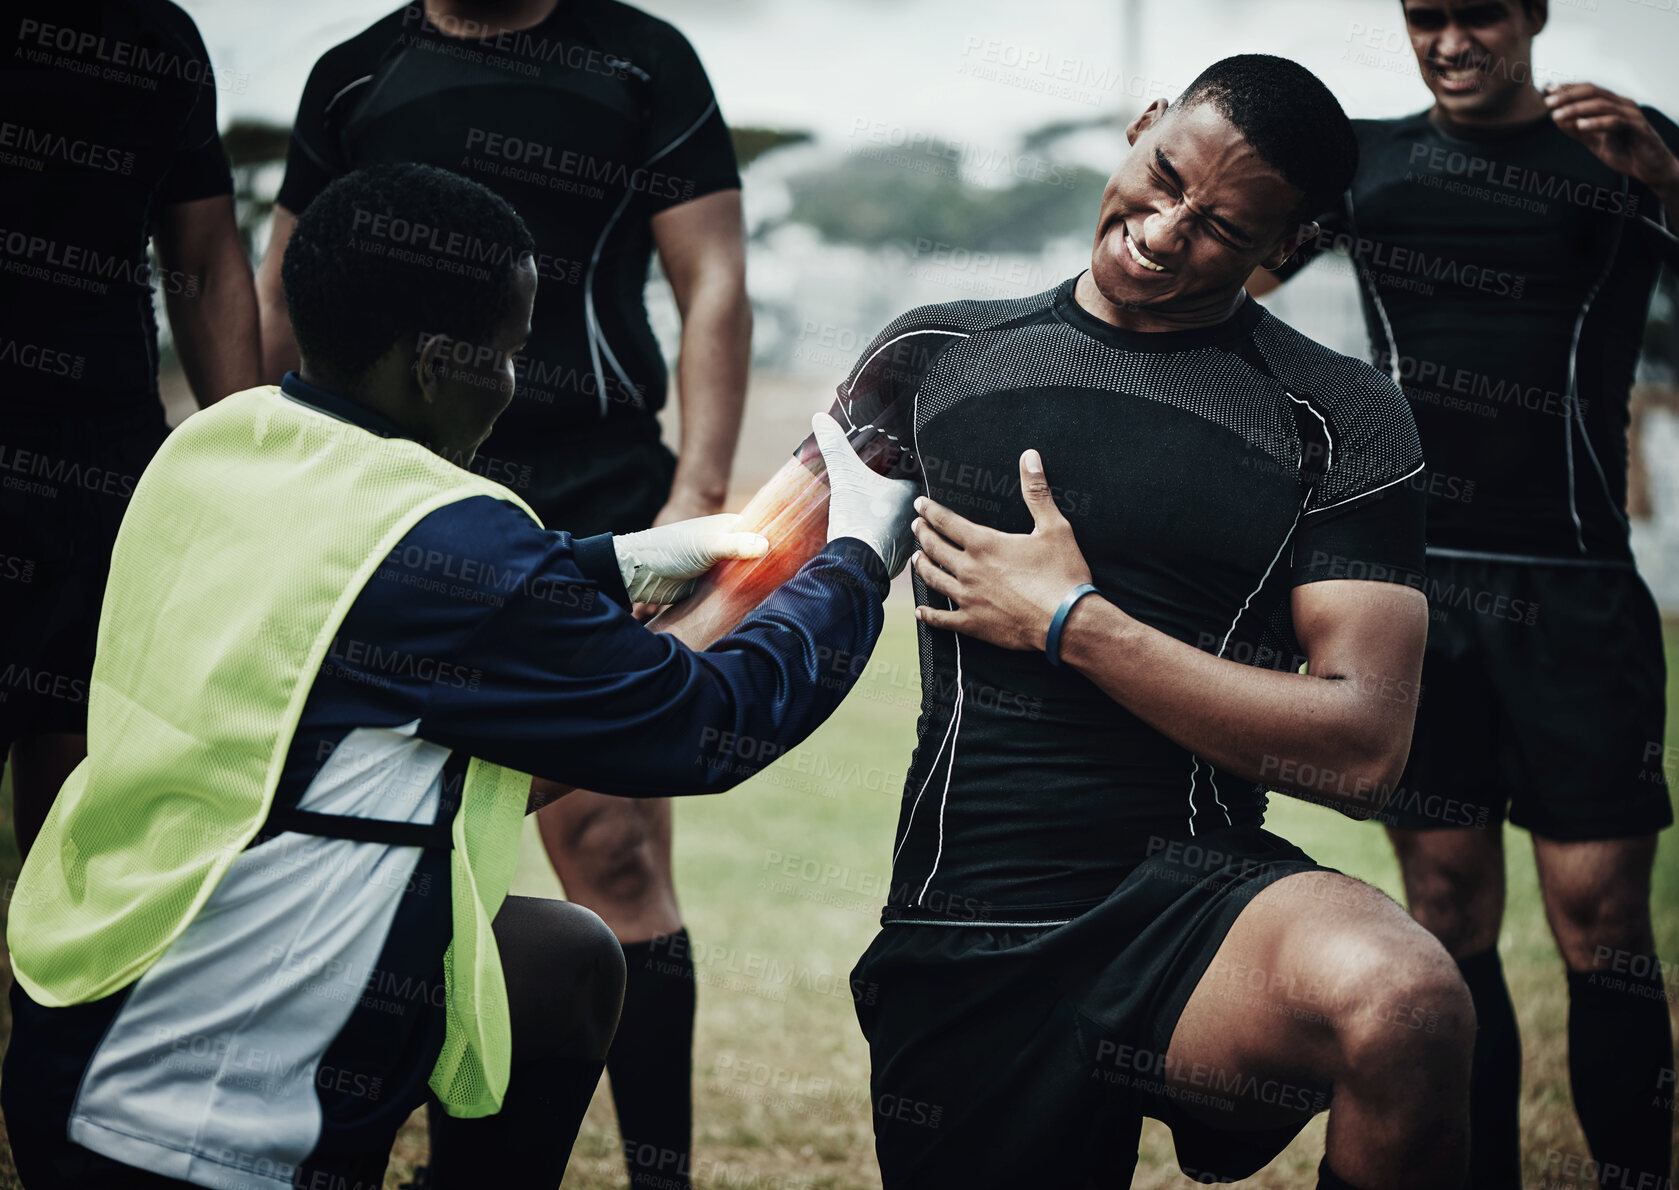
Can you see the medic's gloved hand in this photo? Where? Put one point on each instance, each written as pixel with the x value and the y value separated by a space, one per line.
pixel 869 507
pixel 660 565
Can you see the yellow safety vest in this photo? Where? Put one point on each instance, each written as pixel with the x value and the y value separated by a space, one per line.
pixel 245 543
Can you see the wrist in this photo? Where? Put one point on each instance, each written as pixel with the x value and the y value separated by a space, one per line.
pixel 1093 628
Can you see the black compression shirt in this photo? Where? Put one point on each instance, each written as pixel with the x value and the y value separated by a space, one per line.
pixel 589 123
pixel 109 115
pixel 1505 278
pixel 1205 473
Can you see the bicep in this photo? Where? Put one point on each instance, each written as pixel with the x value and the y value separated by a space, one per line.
pixel 701 241
pixel 1368 633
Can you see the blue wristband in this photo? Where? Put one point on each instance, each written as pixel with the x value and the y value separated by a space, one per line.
pixel 1052 642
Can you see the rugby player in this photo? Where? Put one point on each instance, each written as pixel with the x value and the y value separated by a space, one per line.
pixel 257 923
pixel 1506 242
pixel 108 143
pixel 597 122
pixel 1088 922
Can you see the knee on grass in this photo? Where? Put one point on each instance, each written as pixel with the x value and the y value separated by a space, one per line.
pixel 565 979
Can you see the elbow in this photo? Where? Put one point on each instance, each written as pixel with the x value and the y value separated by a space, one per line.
pixel 1357 782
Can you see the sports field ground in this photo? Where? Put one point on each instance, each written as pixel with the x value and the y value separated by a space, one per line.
pixel 782 881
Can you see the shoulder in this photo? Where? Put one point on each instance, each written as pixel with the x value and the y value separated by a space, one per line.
pixel 647 40
pixel 1375 135
pixel 924 332
pixel 167 17
pixel 358 55
pixel 1365 409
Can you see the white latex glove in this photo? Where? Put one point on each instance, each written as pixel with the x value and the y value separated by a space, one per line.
pixel 660 565
pixel 869 507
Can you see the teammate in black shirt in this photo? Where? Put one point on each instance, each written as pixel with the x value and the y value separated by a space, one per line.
pixel 597 122
pixel 1087 921
pixel 107 141
pixel 1506 243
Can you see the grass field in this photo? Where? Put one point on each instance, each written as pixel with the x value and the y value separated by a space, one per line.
pixel 781 1071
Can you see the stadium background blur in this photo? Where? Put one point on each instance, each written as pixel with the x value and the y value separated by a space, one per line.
pixel 897 152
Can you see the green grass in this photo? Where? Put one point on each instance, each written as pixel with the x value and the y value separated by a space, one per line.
pixel 780 1070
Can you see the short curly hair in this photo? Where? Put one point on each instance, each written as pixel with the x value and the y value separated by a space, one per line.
pixel 390 252
pixel 1289 117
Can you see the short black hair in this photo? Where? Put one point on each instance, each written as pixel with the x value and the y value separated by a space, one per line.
pixel 1527 6
pixel 391 252
pixel 1289 117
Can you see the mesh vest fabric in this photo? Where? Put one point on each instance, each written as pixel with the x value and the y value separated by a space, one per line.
pixel 246 541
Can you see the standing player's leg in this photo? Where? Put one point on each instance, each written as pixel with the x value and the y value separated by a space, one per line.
pixel 1620 1036
pixel 1454 886
pixel 565 980
pixel 1325 983
pixel 613 854
pixel 1446 824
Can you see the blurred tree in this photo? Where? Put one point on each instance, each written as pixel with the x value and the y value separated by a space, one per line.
pixel 884 194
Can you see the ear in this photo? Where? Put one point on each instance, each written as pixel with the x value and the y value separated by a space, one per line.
pixel 1146 119
pixel 425 365
pixel 1536 20
pixel 1286 247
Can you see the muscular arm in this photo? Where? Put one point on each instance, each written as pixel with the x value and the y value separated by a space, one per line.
pixel 702 248
pixel 279 352
pixel 1337 734
pixel 208 293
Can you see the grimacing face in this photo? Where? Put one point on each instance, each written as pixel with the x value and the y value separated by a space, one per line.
pixel 1189 213
pixel 1476 56
pixel 468 385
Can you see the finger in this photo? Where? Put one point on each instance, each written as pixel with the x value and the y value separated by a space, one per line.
pixel 937 548
pixel 935 617
pixel 1589 107
pixel 830 440
pixel 940 581
pixel 1034 489
pixel 1560 93
pixel 955 528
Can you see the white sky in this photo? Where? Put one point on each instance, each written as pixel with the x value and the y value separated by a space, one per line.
pixel 983 71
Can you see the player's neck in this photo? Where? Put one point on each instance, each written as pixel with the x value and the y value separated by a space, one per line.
pixel 1211 312
pixel 475 19
pixel 1521 105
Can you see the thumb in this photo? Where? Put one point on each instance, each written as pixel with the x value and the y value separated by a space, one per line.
pixel 717 537
pixel 735 545
pixel 1034 489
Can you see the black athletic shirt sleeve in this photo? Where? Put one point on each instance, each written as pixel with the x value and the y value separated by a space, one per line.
pixel 1374 538
pixel 688 138
pixel 312 157
pixel 199 168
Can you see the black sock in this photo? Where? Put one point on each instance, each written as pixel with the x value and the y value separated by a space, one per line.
pixel 526 1143
pixel 1328 1179
pixel 1620 1061
pixel 1495 1088
pixel 651 1062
